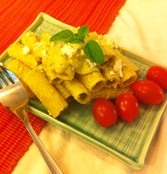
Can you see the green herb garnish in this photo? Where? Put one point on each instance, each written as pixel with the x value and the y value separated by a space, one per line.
pixel 91 49
pixel 69 36
pixel 94 52
pixel 64 35
pixel 82 32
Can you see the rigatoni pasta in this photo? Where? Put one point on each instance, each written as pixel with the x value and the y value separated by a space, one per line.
pixel 22 53
pixel 62 89
pixel 126 61
pixel 47 94
pixel 20 70
pixel 78 91
pixel 38 46
pixel 109 93
pixel 129 76
pixel 30 39
pixel 93 81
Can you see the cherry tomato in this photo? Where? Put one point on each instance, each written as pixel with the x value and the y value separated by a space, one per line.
pixel 127 106
pixel 104 112
pixel 148 92
pixel 157 74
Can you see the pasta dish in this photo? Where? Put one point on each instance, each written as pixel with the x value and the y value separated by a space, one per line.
pixel 55 71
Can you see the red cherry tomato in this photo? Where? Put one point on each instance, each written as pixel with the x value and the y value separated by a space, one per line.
pixel 104 112
pixel 127 107
pixel 148 92
pixel 158 75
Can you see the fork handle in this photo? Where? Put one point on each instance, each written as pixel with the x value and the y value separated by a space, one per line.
pixel 54 169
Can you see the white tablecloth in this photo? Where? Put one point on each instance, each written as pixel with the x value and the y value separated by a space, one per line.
pixel 141 28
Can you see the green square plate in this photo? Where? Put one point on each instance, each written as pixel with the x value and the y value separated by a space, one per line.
pixel 128 142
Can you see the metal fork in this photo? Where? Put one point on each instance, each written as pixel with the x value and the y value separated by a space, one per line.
pixel 14 98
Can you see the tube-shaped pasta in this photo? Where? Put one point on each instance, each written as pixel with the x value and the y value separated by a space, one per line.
pixel 93 81
pixel 78 91
pixel 129 76
pixel 126 61
pixel 112 78
pixel 22 53
pixel 20 70
pixel 109 93
pixel 45 37
pixel 46 93
pixel 39 47
pixel 65 93
pixel 29 38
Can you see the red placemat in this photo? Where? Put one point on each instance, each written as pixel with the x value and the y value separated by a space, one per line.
pixel 15 17
pixel 14 138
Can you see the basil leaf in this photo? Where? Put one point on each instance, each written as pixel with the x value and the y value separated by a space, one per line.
pixel 75 40
pixel 82 32
pixel 94 52
pixel 64 35
pixel 69 36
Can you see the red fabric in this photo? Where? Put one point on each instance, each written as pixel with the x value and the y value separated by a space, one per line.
pixel 15 17
pixel 14 138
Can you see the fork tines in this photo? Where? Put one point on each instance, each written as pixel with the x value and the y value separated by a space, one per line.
pixel 5 77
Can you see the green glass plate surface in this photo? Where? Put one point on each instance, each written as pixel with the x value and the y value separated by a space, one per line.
pixel 127 142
